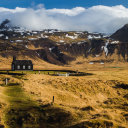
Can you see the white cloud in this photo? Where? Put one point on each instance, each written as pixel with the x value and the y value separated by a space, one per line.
pixel 17 9
pixel 69 12
pixel 97 18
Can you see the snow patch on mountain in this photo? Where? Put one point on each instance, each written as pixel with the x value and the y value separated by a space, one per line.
pixel 114 42
pixel 72 37
pixel 1 35
pixel 94 37
pixel 105 48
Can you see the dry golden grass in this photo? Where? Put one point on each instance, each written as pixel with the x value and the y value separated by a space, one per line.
pixel 65 39
pixel 95 98
pixel 3 102
pixel 86 97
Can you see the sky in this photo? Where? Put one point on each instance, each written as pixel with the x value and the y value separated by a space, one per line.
pixel 67 4
pixel 105 16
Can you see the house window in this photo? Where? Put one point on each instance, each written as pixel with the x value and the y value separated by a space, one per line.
pixel 23 66
pixel 29 67
pixel 18 67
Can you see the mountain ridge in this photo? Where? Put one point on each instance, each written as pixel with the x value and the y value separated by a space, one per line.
pixel 61 47
pixel 121 34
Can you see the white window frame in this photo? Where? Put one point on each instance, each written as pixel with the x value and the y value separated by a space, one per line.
pixel 23 66
pixel 18 66
pixel 29 66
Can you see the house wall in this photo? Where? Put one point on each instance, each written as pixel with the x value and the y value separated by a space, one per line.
pixel 15 67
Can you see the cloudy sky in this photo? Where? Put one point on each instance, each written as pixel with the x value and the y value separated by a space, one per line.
pixel 83 15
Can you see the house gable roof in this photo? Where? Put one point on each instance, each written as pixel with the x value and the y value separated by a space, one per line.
pixel 22 62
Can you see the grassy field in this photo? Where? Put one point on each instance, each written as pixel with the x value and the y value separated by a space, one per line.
pixel 99 100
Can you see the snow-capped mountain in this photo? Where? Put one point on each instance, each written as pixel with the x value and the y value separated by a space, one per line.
pixel 60 47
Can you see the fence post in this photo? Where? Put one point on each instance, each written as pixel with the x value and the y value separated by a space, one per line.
pixel 6 81
pixel 53 99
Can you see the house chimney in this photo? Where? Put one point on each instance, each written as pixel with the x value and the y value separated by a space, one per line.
pixel 14 58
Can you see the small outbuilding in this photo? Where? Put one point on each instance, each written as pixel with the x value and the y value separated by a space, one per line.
pixel 21 64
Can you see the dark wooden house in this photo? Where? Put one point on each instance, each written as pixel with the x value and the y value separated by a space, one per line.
pixel 21 64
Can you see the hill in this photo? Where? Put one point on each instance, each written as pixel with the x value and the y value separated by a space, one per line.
pixel 99 100
pixel 61 48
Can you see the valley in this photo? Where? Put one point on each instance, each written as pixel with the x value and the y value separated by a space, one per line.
pixel 94 94
pixel 98 100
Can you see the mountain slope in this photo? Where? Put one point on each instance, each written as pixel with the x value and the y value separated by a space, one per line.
pixel 4 24
pixel 121 34
pixel 61 47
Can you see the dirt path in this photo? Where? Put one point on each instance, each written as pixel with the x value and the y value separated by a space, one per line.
pixel 19 107
pixel 27 113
